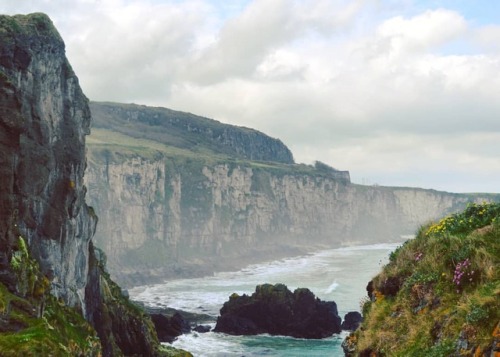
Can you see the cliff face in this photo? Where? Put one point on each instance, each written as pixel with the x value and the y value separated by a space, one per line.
pixel 185 130
pixel 44 119
pixel 161 216
pixel 46 254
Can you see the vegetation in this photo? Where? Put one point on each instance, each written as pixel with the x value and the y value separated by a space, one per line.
pixel 61 331
pixel 111 147
pixel 440 292
pixel 33 322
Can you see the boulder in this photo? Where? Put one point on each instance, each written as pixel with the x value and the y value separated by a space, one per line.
pixel 202 328
pixel 352 320
pixel 275 310
pixel 167 328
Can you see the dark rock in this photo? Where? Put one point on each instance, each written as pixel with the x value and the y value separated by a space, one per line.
pixel 122 327
pixel 167 328
pixel 369 289
pixel 202 328
pixel 276 310
pixel 191 317
pixel 352 320
pixel 391 286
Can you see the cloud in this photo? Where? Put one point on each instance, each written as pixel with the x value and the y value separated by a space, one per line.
pixel 395 93
pixel 488 38
pixel 265 26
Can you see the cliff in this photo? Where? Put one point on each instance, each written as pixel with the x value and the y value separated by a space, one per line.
pixel 49 275
pixel 439 294
pixel 171 212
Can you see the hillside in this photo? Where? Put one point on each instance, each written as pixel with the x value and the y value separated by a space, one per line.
pixel 188 131
pixel 440 293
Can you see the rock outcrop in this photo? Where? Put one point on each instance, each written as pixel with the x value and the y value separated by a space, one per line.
pixel 275 310
pixel 168 328
pixel 439 293
pixel 351 321
pixel 45 224
pixel 44 118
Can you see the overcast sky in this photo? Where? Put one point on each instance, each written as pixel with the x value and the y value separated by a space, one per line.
pixel 398 92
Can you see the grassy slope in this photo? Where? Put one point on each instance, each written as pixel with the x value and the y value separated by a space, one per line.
pixel 177 129
pixel 440 293
pixel 118 147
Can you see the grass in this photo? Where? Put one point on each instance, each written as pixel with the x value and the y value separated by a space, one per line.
pixel 111 146
pixel 448 294
pixel 61 331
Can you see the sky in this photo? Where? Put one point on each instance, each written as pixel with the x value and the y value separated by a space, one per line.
pixel 398 92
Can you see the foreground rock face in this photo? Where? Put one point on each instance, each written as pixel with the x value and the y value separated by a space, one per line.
pixel 44 118
pixel 276 310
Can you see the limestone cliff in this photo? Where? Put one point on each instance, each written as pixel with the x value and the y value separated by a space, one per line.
pixel 169 215
pixel 46 254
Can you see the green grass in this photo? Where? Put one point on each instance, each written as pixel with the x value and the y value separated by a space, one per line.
pixel 449 290
pixel 61 331
pixel 113 147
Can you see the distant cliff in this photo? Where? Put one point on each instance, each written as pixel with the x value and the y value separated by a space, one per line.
pixel 50 274
pixel 188 131
pixel 171 213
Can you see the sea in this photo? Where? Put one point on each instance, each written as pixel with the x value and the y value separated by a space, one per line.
pixel 338 274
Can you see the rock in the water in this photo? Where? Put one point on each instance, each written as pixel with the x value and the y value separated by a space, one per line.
pixel 352 320
pixel 202 328
pixel 276 310
pixel 169 328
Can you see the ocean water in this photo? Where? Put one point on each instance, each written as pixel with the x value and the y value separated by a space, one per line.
pixel 339 274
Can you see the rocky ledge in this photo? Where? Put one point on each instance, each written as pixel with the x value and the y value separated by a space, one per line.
pixel 275 310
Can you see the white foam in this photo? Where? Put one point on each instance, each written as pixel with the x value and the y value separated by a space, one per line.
pixel 333 286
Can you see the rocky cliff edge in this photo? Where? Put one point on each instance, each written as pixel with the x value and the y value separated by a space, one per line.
pixel 48 266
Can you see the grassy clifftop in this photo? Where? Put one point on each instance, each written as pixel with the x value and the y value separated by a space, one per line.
pixel 440 293
pixel 187 131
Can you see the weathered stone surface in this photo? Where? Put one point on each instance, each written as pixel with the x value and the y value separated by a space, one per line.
pixel 43 122
pixel 163 218
pixel 44 118
pixel 276 310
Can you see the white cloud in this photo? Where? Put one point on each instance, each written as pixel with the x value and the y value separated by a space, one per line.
pixel 419 33
pixel 394 93
pixel 489 38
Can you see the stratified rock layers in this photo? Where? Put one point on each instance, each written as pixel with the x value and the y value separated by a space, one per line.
pixel 160 215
